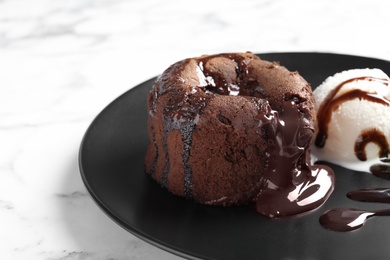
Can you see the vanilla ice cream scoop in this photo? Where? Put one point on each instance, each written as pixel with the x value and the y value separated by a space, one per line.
pixel 353 120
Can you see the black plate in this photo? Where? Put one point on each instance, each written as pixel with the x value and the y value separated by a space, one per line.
pixel 111 162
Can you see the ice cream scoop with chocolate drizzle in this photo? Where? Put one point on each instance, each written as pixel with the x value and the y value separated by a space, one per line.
pixel 354 120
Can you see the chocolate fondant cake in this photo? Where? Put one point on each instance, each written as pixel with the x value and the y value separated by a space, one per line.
pixel 232 128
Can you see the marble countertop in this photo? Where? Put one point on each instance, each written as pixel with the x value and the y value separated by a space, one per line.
pixel 62 62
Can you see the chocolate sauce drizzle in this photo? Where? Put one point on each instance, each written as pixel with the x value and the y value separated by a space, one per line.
pixel 348 219
pixel 372 135
pixel 370 195
pixel 331 103
pixel 381 170
pixel 183 118
pixel 375 136
pixel 186 127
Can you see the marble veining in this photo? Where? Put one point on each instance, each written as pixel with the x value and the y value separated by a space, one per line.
pixel 62 62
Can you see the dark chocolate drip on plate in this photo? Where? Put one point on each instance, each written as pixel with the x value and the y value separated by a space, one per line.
pixel 381 170
pixel 371 195
pixel 348 219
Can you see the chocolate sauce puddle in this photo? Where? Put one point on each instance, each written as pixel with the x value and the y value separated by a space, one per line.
pixel 348 219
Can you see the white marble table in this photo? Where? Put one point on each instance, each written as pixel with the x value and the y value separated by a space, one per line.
pixel 62 62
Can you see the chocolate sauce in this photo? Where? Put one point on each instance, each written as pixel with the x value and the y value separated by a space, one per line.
pixel 375 136
pixel 293 185
pixel 370 195
pixel 184 120
pixel 331 103
pixel 381 170
pixel 348 219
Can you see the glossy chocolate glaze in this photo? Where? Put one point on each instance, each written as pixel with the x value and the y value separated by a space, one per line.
pixel 381 170
pixel 293 186
pixel 371 195
pixel 348 219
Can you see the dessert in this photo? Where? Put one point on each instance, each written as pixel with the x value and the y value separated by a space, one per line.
pixel 232 129
pixel 353 118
